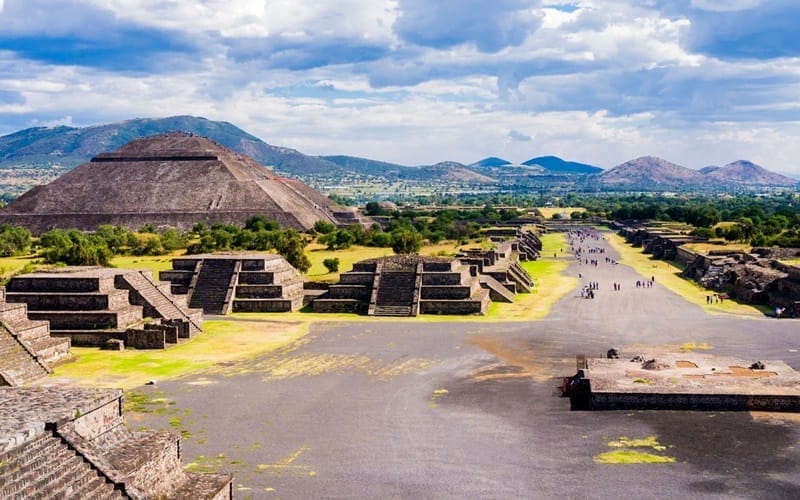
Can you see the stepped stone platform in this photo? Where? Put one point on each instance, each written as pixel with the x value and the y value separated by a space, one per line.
pixel 92 305
pixel 26 348
pixel 684 381
pixel 174 179
pixel 524 240
pixel 406 285
pixel 221 283
pixel 499 267
pixel 73 443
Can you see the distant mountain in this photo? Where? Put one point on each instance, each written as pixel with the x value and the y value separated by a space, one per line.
pixel 365 165
pixel 649 172
pixel 556 164
pixel 449 171
pixel 490 162
pixel 746 173
pixel 70 146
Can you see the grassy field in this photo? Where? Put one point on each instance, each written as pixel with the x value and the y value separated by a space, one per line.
pixel 156 263
pixel 10 266
pixel 547 212
pixel 706 247
pixel 668 274
pixel 220 342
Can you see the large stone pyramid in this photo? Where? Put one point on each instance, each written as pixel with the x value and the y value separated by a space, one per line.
pixel 173 179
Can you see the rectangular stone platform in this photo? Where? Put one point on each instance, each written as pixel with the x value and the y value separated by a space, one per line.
pixel 691 381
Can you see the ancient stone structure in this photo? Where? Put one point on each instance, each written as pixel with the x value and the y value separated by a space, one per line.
pixel 663 242
pixel 750 278
pixel 406 285
pixel 683 381
pixel 73 443
pixel 91 305
pixel 173 179
pixel 222 283
pixel 26 348
pixel 499 270
pixel 523 240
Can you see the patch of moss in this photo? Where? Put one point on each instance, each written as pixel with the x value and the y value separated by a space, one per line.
pixel 631 457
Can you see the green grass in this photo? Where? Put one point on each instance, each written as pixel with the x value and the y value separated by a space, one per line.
pixel 221 341
pixel 667 273
pixel 155 262
pixel 631 457
pixel 347 257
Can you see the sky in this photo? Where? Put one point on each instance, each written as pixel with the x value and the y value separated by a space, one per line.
pixel 697 82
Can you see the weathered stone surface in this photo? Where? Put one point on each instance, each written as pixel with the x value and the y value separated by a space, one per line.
pixel 406 285
pixel 91 305
pixel 220 283
pixel 70 442
pixel 173 179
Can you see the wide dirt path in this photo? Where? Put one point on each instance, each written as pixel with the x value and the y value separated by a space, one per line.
pixel 409 409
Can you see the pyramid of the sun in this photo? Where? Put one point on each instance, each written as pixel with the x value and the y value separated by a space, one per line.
pixel 173 179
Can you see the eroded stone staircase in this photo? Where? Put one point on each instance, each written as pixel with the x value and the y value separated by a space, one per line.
pixel 73 443
pixel 395 296
pixel 212 291
pixel 158 302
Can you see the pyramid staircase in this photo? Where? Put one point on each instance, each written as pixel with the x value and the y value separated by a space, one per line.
pixel 212 290
pixel 46 468
pixel 395 295
pixel 73 443
pixel 158 302
pixel 26 347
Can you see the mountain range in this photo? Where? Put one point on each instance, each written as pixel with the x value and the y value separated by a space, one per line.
pixel 67 147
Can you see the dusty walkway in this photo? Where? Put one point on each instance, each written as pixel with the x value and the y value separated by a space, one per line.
pixel 455 410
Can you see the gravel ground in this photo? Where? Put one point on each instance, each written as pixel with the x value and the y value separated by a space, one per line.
pixel 405 409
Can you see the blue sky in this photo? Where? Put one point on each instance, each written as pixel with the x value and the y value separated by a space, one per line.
pixel 698 82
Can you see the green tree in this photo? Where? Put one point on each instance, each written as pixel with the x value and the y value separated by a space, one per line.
pixel 331 264
pixel 14 240
pixel 261 223
pixel 74 248
pixel 324 227
pixel 406 241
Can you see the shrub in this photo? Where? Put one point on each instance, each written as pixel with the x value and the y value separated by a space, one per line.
pixel 331 264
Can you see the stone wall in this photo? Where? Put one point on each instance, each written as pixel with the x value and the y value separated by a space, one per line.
pixel 701 402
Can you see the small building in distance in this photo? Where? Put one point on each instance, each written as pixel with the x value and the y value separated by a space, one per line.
pixel 174 179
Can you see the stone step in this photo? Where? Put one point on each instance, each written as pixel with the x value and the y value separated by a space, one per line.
pixel 92 486
pixel 82 301
pixel 134 458
pixel 19 476
pixel 12 312
pixel 203 487
pixel 95 320
pixel 29 329
pixel 392 311
pixel 17 362
pixel 62 471
pixel 51 349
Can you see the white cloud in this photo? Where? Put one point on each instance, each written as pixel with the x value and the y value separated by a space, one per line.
pixel 606 82
pixel 726 5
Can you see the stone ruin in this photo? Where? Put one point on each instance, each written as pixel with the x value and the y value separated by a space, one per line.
pixel 90 306
pixel 750 277
pixel 236 282
pixel 523 241
pixel 498 270
pixel 174 179
pixel 27 350
pixel 408 285
pixel 73 443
